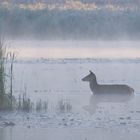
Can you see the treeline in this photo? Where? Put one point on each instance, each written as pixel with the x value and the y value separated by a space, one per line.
pixel 69 24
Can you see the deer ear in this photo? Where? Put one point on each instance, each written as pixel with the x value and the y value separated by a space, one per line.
pixel 91 72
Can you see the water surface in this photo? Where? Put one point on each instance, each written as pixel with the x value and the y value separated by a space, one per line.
pixel 52 72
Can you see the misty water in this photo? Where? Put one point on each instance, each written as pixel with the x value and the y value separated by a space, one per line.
pixel 52 71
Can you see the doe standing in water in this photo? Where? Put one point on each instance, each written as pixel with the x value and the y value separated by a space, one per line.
pixel 108 92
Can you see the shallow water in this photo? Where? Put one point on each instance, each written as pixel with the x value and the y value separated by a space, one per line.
pixel 65 134
pixel 59 80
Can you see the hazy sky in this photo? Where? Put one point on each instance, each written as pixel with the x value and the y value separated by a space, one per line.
pixel 77 49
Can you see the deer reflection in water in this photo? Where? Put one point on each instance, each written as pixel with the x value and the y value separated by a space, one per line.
pixel 106 93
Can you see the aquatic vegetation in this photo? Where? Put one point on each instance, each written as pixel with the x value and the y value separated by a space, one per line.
pixel 7 100
pixel 41 105
pixel 4 99
pixel 12 57
pixel 2 66
pixel 64 106
pixel 24 103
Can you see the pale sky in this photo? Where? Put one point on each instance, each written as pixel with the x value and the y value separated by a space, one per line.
pixel 76 49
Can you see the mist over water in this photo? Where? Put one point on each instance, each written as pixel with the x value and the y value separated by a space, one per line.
pixel 52 71
pixel 55 49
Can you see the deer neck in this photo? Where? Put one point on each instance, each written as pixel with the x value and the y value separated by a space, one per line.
pixel 93 85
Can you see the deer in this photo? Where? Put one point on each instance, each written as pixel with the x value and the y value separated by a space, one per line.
pixel 114 93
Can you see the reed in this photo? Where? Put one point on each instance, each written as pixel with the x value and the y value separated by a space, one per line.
pixel 64 106
pixel 4 99
pixel 7 100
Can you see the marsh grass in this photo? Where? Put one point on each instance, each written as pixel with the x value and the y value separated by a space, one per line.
pixel 7 100
pixel 64 106
pixel 2 66
pixel 24 103
pixel 41 105
pixel 12 57
pixel 4 98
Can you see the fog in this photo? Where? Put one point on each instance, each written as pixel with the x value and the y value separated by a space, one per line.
pixel 54 50
pixel 102 24
pixel 76 49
